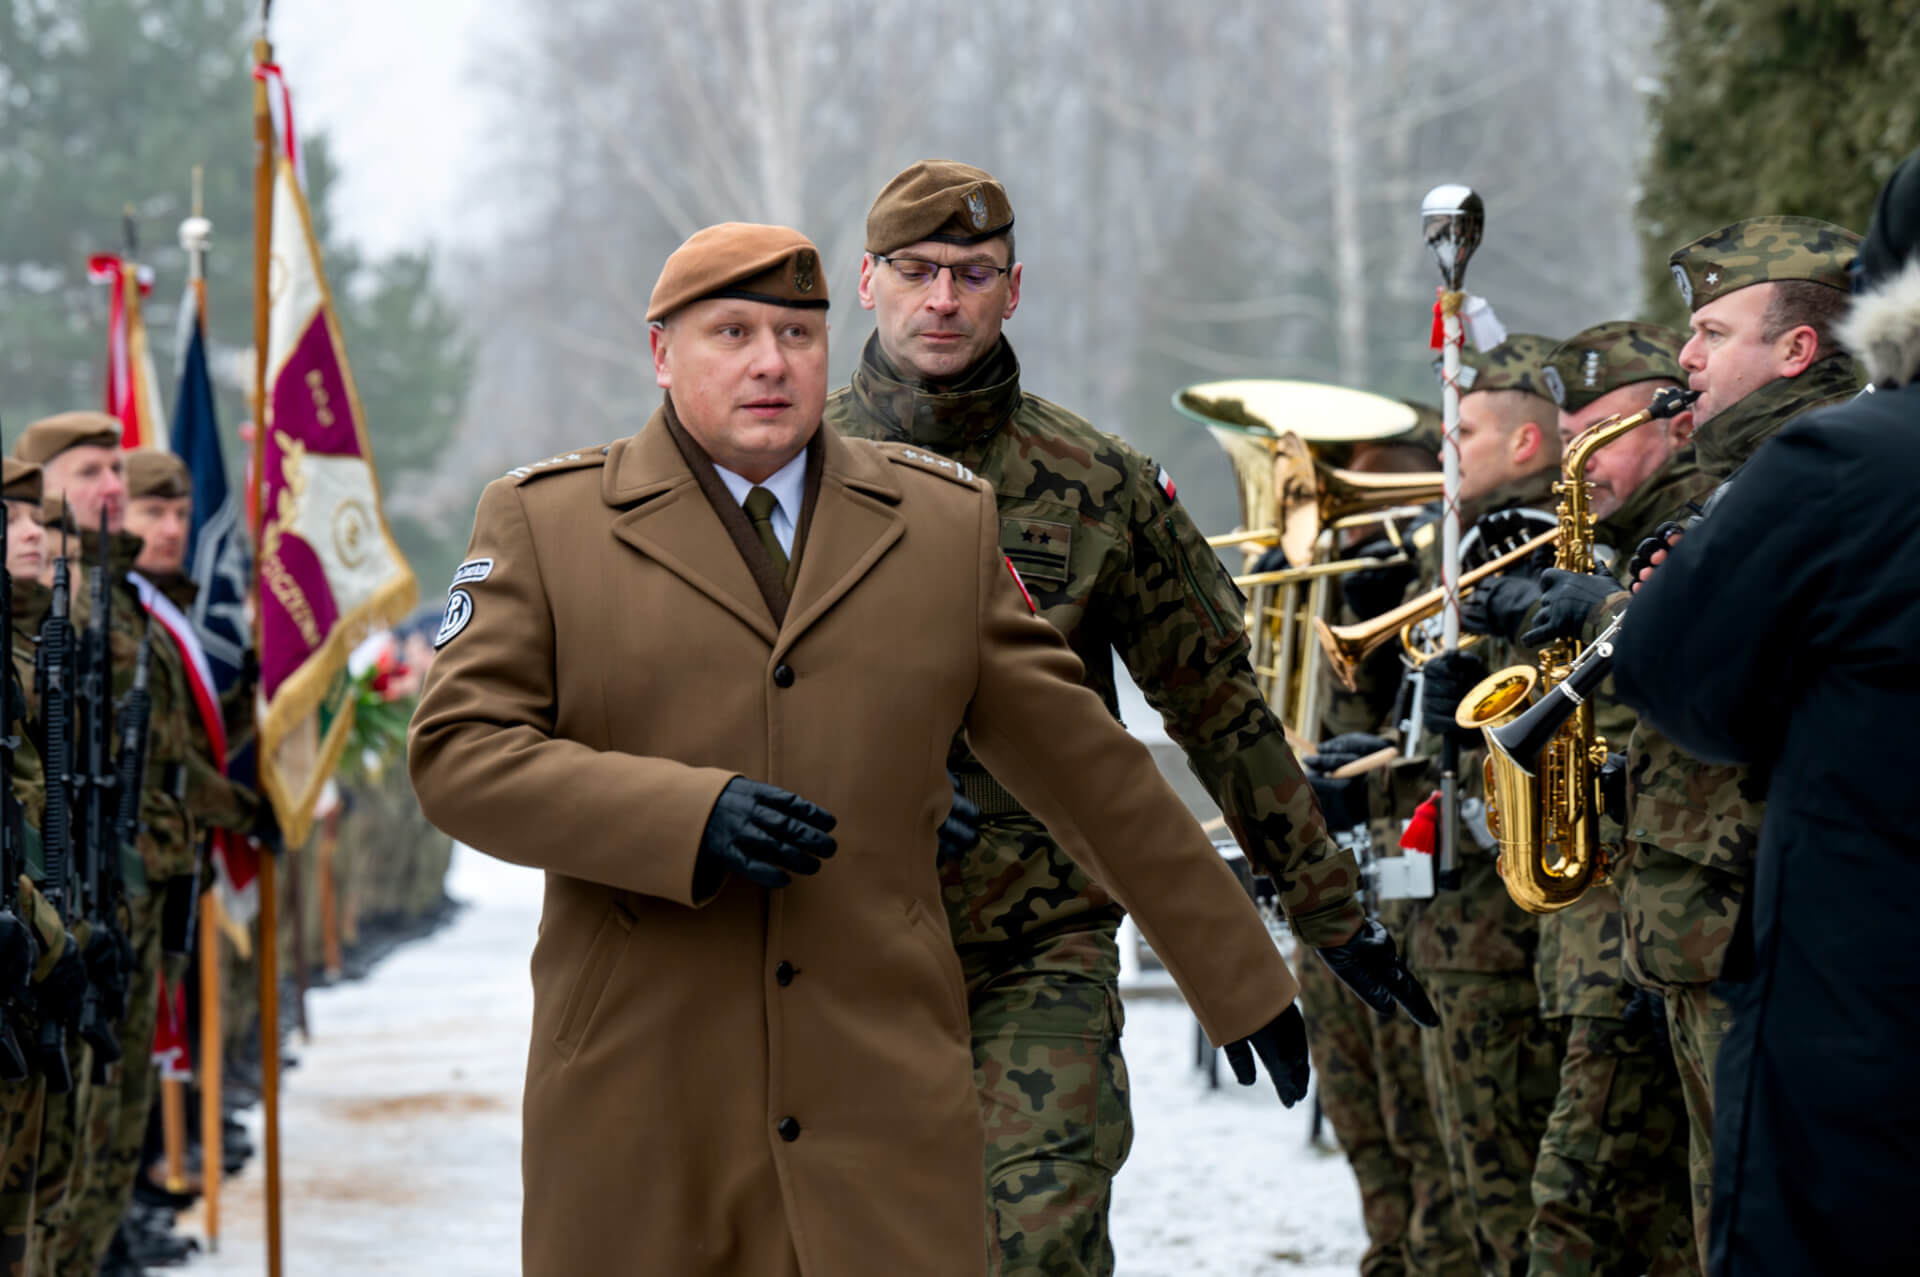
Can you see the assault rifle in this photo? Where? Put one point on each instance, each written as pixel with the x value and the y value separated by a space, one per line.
pixel 109 954
pixel 53 676
pixel 18 953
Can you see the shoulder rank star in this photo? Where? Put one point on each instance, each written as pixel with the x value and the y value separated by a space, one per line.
pixel 1165 481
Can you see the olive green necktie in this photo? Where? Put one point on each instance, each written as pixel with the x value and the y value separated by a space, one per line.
pixel 760 505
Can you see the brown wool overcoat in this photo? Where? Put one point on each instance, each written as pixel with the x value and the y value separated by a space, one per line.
pixel 769 1083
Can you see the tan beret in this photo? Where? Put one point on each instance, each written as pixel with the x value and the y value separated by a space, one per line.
pixel 154 472
pixel 740 259
pixel 21 481
pixel 48 437
pixel 940 200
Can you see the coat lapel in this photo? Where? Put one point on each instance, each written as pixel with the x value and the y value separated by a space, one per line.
pixel 672 523
pixel 855 521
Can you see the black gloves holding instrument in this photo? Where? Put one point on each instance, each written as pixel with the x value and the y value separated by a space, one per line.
pixel 1567 605
pixel 1371 966
pixel 1348 747
pixel 961 829
pixel 1664 538
pixel 1500 606
pixel 764 834
pixel 1371 591
pixel 1282 1047
pixel 1449 677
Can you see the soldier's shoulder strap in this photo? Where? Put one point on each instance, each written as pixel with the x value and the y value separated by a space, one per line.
pixel 578 459
pixel 909 457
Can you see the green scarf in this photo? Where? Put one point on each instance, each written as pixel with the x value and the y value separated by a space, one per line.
pixel 1736 433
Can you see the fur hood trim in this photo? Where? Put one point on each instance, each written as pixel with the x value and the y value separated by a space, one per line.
pixel 1883 328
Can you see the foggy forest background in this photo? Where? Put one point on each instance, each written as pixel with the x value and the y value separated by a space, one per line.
pixel 1219 188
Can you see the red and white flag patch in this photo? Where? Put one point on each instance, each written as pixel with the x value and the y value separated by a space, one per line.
pixel 1165 481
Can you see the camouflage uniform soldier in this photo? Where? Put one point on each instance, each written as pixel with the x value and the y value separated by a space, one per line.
pixel 1609 1186
pixel 1764 294
pixel 1494 1067
pixel 80 459
pixel 1112 559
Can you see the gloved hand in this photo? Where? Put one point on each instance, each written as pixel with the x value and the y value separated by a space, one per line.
pixel 109 960
pixel 266 828
pixel 58 996
pixel 1282 1046
pixel 1498 607
pixel 1348 747
pixel 1646 1012
pixel 1342 802
pixel 1449 677
pixel 1566 605
pixel 1371 591
pixel 764 834
pixel 18 954
pixel 1664 538
pixel 961 829
pixel 1369 964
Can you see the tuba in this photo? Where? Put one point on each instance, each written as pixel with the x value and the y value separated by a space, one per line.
pixel 1292 499
pixel 1543 763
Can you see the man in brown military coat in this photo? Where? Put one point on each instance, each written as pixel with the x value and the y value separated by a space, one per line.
pixel 664 663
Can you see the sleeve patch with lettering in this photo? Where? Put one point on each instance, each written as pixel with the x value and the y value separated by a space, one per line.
pixel 472 571
pixel 459 613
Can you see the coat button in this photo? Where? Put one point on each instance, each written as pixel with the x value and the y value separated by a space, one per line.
pixel 783 675
pixel 789 1129
pixel 783 974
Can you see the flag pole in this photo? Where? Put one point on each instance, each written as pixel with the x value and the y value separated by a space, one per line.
pixel 263 179
pixel 195 234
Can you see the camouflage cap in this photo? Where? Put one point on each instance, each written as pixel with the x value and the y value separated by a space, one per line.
pixel 940 200
pixel 155 472
pixel 1428 427
pixel 21 482
pixel 772 264
pixel 48 437
pixel 1518 363
pixel 1763 250
pixel 1599 360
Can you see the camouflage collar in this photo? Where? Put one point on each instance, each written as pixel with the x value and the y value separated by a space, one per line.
pixel 1533 491
pixel 947 419
pixel 1661 497
pixel 1736 433
pixel 123 548
pixel 31 600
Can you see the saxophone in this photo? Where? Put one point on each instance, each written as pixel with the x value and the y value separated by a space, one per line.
pixel 1543 760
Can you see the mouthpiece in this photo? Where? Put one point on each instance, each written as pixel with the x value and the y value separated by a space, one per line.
pixel 1671 402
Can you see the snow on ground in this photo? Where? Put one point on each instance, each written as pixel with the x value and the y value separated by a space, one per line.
pixel 401 1129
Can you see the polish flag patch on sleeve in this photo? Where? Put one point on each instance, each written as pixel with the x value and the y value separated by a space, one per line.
pixel 1165 481
pixel 1014 572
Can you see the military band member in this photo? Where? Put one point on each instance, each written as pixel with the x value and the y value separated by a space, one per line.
pixel 1115 563
pixel 1765 295
pixel 750 1046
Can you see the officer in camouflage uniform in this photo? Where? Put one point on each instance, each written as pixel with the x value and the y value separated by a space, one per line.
pixel 1111 558
pixel 79 455
pixel 1609 1188
pixel 1494 1067
pixel 1764 294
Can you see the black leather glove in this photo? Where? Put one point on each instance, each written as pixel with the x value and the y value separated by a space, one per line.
pixel 1348 747
pixel 1566 605
pixel 1282 1046
pixel 1662 539
pixel 1449 677
pixel 57 997
pixel 764 834
pixel 1371 966
pixel 109 960
pixel 1342 802
pixel 960 831
pixel 1646 1012
pixel 1613 788
pixel 18 954
pixel 1371 591
pixel 1499 607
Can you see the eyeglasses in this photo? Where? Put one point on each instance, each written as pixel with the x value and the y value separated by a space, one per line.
pixel 973 277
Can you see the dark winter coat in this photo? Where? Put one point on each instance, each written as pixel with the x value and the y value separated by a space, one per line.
pixel 1785 634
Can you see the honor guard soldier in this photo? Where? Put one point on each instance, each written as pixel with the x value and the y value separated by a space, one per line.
pixel 706 677
pixel 1114 562
pixel 1765 294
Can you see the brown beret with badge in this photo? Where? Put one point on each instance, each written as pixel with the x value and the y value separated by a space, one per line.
pixel 1518 363
pixel 154 472
pixel 1763 250
pixel 48 437
pixel 21 481
pixel 773 264
pixel 941 200
pixel 1599 360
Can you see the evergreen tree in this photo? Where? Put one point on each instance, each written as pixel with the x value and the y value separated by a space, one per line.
pixel 1775 106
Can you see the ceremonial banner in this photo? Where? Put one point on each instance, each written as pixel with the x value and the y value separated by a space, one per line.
pixel 133 392
pixel 329 570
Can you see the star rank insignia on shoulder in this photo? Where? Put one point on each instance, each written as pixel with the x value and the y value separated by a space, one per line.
pixel 920 459
pixel 565 461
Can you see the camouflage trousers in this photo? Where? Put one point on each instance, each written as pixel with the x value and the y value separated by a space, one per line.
pixel 1609 1189
pixel 23 1107
pixel 1371 1088
pixel 1493 1072
pixel 1698 1020
pixel 113 1120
